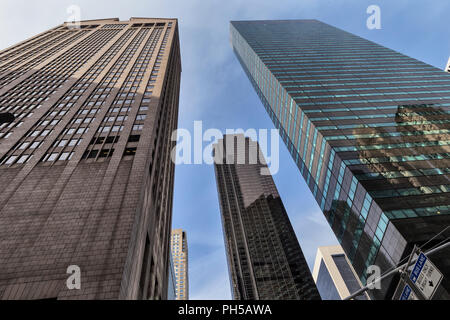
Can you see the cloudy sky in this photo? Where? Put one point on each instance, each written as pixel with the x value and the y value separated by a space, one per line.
pixel 216 91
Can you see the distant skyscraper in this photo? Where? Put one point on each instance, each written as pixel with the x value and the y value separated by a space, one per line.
pixel 334 276
pixel 368 129
pixel 264 257
pixel 171 287
pixel 180 262
pixel 86 177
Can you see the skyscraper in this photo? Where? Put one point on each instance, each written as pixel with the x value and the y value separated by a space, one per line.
pixel 86 177
pixel 264 257
pixel 334 275
pixel 180 262
pixel 368 128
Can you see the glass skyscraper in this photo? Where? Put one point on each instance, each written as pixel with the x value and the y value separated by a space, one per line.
pixel 264 257
pixel 369 130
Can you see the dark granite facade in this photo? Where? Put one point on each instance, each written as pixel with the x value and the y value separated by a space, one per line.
pixel 264 257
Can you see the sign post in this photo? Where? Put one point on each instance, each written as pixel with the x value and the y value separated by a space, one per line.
pixel 425 276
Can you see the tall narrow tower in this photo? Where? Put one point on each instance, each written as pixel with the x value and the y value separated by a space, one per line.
pixel 86 177
pixel 264 257
pixel 368 128
pixel 180 262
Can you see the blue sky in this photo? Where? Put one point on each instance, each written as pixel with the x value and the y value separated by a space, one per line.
pixel 215 90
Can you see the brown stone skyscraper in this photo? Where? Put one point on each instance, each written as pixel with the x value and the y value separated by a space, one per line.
pixel 264 257
pixel 86 177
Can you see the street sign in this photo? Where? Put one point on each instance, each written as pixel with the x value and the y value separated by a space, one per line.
pixel 426 276
pixel 408 294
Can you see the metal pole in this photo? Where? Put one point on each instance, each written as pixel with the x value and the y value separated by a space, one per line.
pixel 364 289
pixel 403 274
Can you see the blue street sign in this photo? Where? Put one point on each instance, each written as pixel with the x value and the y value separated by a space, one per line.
pixel 406 292
pixel 418 267
pixel 425 276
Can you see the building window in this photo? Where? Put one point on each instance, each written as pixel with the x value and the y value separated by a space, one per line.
pixel 22 159
pixel 52 157
pixel 106 153
pixel 64 156
pixel 130 152
pixel 134 138
pixel 11 160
